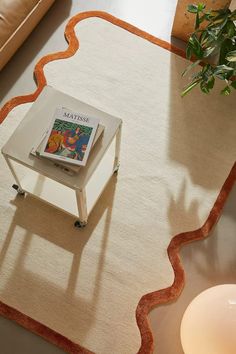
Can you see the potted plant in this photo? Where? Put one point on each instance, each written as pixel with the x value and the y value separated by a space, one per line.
pixel 183 23
pixel 216 39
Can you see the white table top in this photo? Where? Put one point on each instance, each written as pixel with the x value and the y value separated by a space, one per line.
pixel 35 123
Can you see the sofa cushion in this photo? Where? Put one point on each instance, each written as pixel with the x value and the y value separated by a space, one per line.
pixel 12 13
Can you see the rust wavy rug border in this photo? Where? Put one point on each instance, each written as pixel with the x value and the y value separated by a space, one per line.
pixel 148 301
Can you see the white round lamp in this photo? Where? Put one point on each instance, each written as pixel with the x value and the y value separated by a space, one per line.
pixel 209 322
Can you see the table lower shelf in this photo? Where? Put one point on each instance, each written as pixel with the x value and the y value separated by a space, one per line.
pixel 51 192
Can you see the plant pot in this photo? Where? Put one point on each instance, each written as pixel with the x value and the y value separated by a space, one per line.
pixel 184 21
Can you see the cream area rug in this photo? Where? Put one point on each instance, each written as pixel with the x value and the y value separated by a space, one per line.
pixel 81 288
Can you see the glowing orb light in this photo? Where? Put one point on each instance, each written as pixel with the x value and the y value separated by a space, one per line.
pixel 209 322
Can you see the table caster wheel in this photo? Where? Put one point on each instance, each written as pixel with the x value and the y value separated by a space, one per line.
pixel 80 224
pixel 116 169
pixel 17 188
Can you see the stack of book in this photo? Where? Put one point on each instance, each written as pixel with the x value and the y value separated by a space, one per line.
pixel 68 140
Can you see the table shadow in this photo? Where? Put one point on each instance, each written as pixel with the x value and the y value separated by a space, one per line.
pixel 45 297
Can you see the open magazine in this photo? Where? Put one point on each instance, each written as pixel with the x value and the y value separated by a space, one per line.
pixel 69 138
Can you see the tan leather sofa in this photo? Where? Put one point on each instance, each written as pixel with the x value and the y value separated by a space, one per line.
pixel 17 19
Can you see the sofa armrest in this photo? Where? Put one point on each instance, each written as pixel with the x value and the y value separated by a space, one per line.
pixel 23 30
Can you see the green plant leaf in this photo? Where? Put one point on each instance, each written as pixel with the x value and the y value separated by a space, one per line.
pixel 201 6
pixel 217 26
pixel 231 56
pixel 230 29
pixel 223 72
pixel 196 76
pixel 208 51
pixel 207 71
pixel 225 47
pixel 208 39
pixel 197 21
pixel 196 46
pixel 223 69
pixel 203 87
pixel 221 76
pixel 208 15
pixel 193 8
pixel 191 66
pixel 211 34
pixel 226 91
pixel 189 51
pixel 190 87
pixel 211 83
pixel 233 15
pixel 203 37
pixel 213 14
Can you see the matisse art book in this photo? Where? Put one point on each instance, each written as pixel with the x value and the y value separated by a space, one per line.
pixel 69 138
pixel 66 167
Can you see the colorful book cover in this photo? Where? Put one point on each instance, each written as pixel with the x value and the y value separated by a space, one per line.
pixel 70 137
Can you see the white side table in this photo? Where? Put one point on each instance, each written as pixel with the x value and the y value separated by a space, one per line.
pixel 76 194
